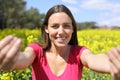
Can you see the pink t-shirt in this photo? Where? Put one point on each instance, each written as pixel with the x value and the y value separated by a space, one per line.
pixel 41 69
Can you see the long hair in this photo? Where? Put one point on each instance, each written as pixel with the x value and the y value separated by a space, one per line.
pixel 45 36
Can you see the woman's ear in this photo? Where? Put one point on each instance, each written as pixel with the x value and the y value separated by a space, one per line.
pixel 46 29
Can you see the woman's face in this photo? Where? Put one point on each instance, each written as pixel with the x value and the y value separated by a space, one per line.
pixel 60 29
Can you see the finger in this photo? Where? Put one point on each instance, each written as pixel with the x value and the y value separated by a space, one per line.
pixel 116 52
pixel 11 54
pixel 113 69
pixel 118 49
pixel 114 72
pixel 5 41
pixel 6 49
pixel 114 59
pixel 10 65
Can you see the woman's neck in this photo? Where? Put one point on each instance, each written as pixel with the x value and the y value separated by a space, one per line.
pixel 59 50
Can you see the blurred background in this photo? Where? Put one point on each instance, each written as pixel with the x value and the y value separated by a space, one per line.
pixel 98 24
pixel 88 13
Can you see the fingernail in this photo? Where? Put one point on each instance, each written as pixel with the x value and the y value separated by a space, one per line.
pixel 10 36
pixel 18 40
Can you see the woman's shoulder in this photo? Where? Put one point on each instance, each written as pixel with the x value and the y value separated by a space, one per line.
pixel 36 47
pixel 78 50
pixel 78 47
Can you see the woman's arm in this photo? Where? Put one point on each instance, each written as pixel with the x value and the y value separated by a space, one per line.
pixel 10 55
pixel 98 63
pixel 106 63
pixel 25 59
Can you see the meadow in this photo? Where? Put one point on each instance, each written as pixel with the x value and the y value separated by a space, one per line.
pixel 98 41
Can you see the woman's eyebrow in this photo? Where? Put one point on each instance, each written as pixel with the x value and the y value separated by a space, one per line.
pixel 54 24
pixel 68 23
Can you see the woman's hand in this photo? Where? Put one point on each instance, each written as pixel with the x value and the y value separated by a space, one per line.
pixel 114 58
pixel 9 47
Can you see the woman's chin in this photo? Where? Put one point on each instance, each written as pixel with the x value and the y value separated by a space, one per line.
pixel 61 45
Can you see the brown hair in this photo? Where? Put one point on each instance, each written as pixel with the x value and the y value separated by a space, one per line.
pixel 45 37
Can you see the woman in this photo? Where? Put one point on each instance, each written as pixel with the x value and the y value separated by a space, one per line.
pixel 59 57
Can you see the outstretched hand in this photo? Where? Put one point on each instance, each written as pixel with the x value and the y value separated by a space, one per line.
pixel 9 47
pixel 114 57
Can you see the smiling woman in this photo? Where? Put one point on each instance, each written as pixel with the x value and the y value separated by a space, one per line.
pixel 60 30
pixel 59 57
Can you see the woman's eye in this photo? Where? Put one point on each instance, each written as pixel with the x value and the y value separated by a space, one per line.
pixel 67 26
pixel 55 26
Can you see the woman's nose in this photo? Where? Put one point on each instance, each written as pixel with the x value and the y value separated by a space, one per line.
pixel 61 30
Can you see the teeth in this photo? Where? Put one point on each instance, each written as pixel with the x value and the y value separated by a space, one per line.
pixel 61 38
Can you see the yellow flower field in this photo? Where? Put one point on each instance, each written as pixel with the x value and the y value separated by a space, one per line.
pixel 98 41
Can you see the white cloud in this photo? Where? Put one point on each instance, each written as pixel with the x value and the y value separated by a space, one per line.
pixel 99 5
pixel 111 22
pixel 70 1
pixel 109 14
pixel 73 9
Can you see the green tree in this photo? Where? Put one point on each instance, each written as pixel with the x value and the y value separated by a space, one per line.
pixel 32 19
pixel 87 25
pixel 11 11
pixel 14 15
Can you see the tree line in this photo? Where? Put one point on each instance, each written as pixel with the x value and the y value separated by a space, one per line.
pixel 13 14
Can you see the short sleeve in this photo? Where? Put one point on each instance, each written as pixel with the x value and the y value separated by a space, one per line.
pixel 37 49
pixel 80 50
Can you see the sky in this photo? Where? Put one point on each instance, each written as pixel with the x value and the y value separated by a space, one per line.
pixel 103 12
